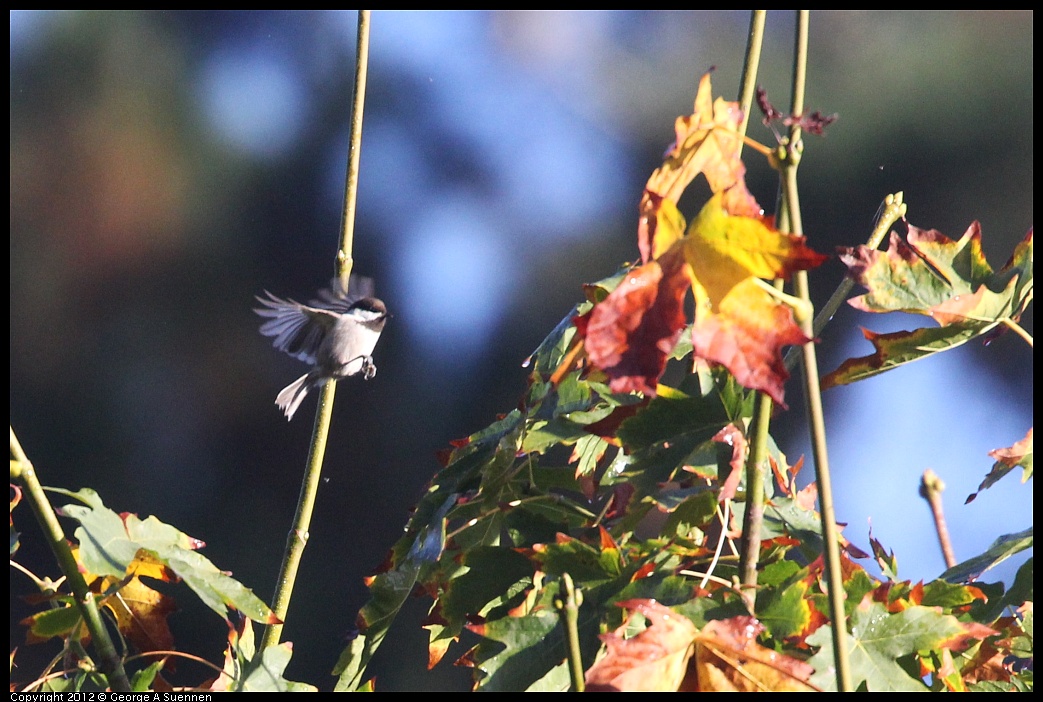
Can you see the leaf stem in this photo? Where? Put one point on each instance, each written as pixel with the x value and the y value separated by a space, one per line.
pixel 813 397
pixel 297 539
pixel 723 516
pixel 1018 329
pixel 111 665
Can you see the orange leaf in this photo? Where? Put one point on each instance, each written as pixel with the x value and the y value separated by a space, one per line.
pixel 706 142
pixel 729 659
pixel 634 329
pixel 654 660
pixel 630 334
pixel 140 611
pixel 141 615
pixel 746 336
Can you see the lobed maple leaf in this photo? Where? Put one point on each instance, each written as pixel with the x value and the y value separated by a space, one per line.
pixel 655 660
pixel 725 653
pixel 932 275
pixel 738 324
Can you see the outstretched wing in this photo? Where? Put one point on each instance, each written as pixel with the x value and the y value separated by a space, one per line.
pixel 296 329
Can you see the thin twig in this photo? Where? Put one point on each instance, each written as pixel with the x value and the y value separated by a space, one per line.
pixel 723 516
pixel 891 210
pixel 1019 330
pixel 931 487
pixel 748 81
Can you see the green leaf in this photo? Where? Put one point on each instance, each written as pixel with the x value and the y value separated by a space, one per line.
pixel 580 560
pixel 387 593
pixel 672 417
pixel 898 348
pixel 489 580
pixel 142 679
pixel 1022 589
pixel 878 639
pixel 109 543
pixel 694 512
pixel 784 609
pixel 932 275
pixel 1001 549
pixel 265 674
pixel 948 596
pixel 519 652
pixel 49 623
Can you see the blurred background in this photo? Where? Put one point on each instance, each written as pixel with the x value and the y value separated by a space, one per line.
pixel 168 166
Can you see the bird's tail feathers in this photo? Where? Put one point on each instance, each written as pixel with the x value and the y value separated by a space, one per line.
pixel 291 396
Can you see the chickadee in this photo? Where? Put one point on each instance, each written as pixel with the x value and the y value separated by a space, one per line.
pixel 336 334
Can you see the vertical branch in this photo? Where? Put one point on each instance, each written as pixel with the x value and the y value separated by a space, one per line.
pixel 351 181
pixel 790 159
pixel 297 539
pixel 748 81
pixel 753 517
pixel 568 606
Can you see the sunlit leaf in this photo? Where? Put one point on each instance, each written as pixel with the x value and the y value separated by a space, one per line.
pixel 747 337
pixel 932 275
pixel 654 660
pixel 631 333
pixel 706 142
pixel 1001 549
pixel 725 248
pixel 879 639
pixel 247 670
pixel 730 243
pixel 729 659
pixel 140 611
pixel 1007 459
pixel 110 544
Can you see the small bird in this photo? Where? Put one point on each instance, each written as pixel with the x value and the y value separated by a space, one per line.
pixel 335 333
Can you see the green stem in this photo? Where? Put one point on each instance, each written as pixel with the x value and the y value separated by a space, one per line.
pixel 812 391
pixel 892 210
pixel 754 514
pixel 568 605
pixel 297 539
pixel 1019 330
pixel 351 181
pixel 753 519
pixel 109 660
pixel 748 82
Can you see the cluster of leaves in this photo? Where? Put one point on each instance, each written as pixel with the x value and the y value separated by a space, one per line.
pixel 609 482
pixel 729 247
pixel 122 558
